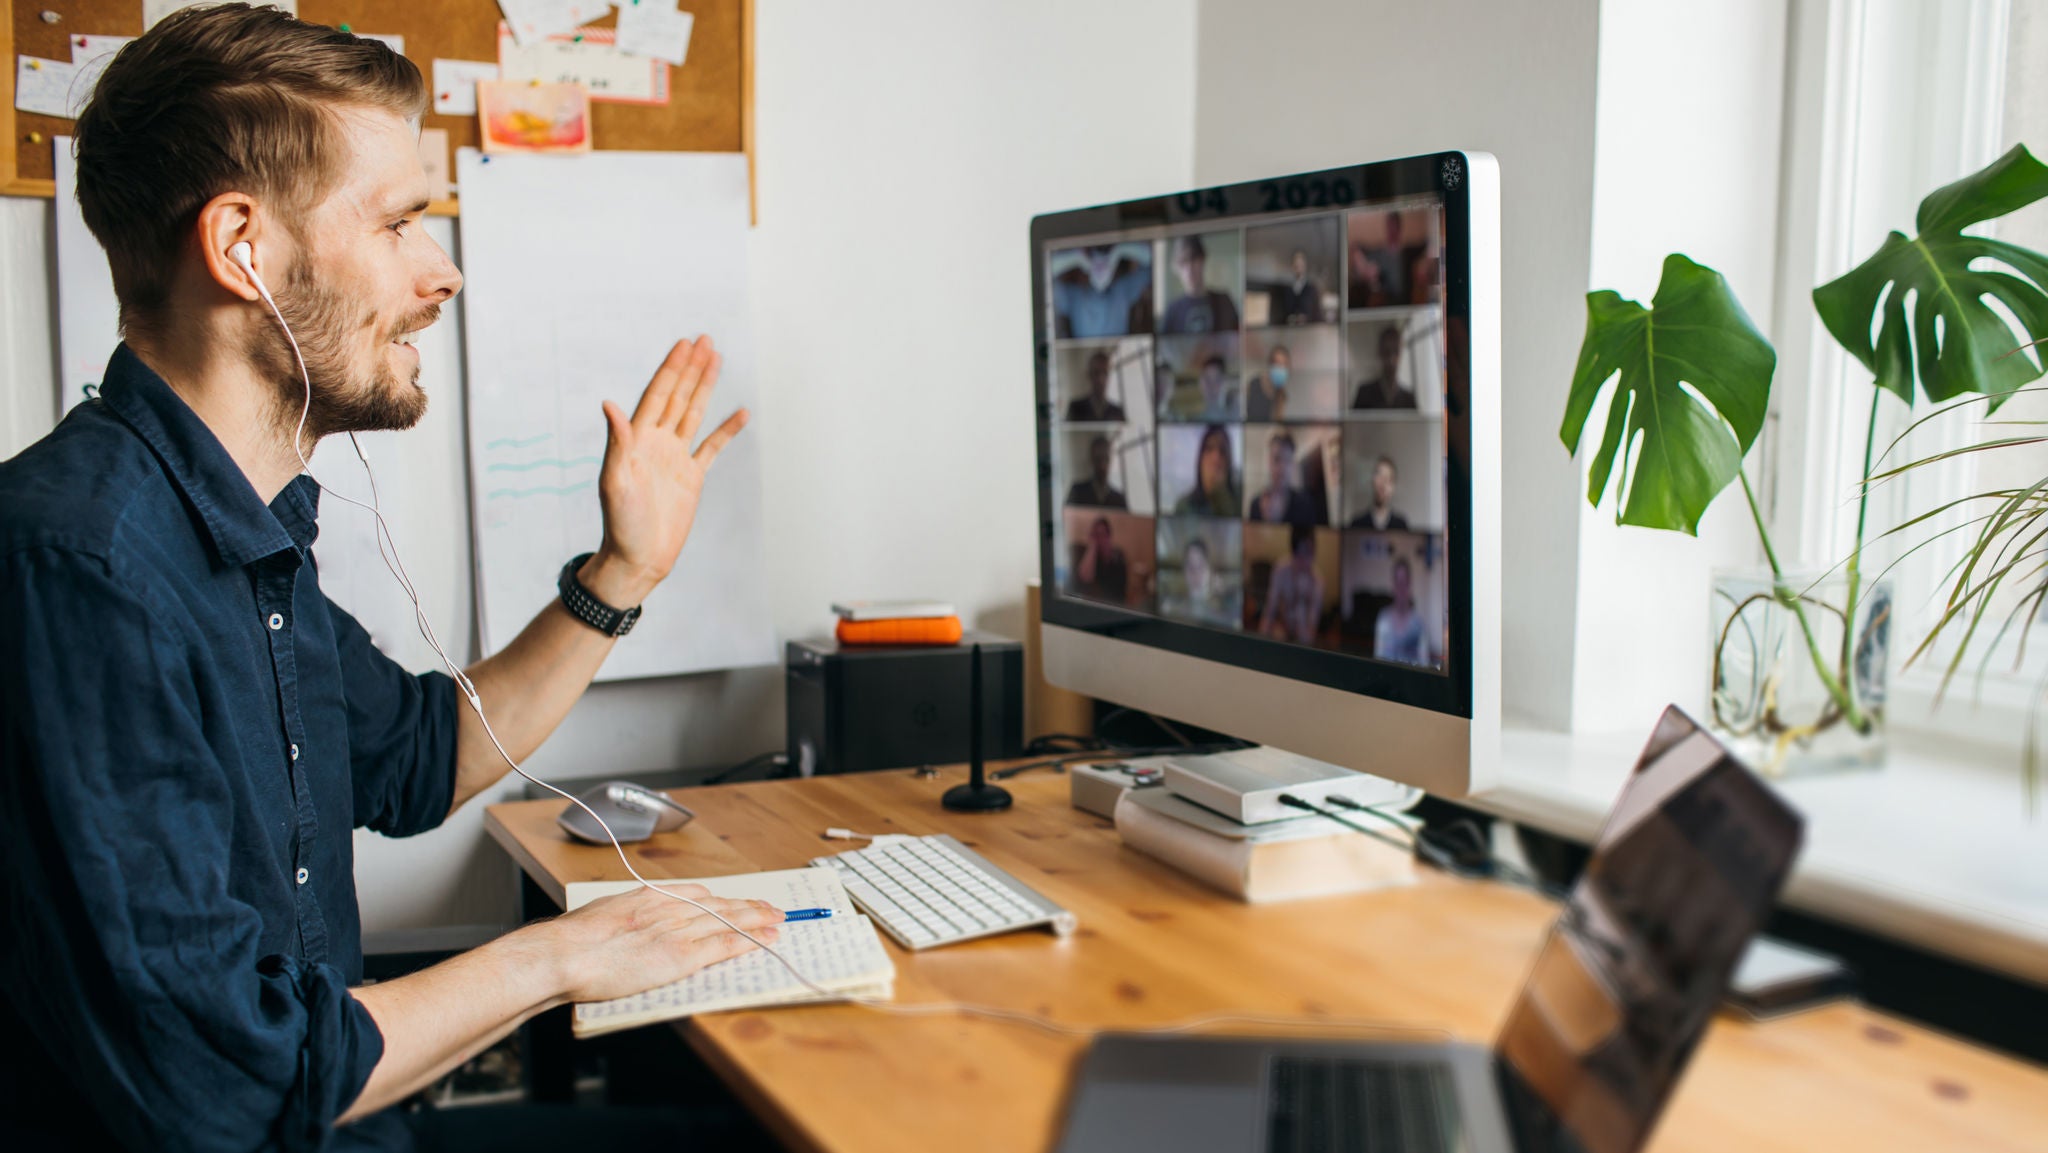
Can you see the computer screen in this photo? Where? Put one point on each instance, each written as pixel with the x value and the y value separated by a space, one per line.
pixel 1251 444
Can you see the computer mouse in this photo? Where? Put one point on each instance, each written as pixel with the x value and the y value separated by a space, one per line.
pixel 634 813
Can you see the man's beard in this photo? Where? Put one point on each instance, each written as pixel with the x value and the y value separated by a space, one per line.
pixel 344 399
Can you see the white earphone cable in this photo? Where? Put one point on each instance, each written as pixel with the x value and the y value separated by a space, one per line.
pixel 387 550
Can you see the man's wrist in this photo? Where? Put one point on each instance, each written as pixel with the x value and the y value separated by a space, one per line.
pixel 543 957
pixel 615 582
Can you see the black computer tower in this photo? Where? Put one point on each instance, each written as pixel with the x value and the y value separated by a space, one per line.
pixel 855 708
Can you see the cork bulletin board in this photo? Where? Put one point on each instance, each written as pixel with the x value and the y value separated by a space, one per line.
pixel 710 107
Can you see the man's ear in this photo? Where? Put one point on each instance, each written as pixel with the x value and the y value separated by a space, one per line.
pixel 229 219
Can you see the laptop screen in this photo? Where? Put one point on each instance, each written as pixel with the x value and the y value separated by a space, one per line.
pixel 1685 873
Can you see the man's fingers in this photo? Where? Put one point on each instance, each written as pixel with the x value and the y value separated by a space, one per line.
pixel 722 947
pixel 692 416
pixel 720 437
pixel 654 400
pixel 689 382
pixel 619 430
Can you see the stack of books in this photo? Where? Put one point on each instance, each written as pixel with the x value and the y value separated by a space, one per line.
pixel 898 623
pixel 1308 856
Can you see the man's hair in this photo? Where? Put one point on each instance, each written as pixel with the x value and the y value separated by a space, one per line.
pixel 1190 248
pixel 1298 535
pixel 1389 462
pixel 213 100
pixel 1283 437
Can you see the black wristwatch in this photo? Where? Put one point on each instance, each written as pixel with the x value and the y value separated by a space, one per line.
pixel 587 608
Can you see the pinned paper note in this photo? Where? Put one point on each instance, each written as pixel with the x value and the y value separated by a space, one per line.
pixel 434 159
pixel 455 85
pixel 155 10
pixel 395 43
pixel 588 57
pixel 653 28
pixel 49 87
pixel 533 117
pixel 532 21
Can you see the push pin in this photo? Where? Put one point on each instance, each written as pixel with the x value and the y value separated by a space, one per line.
pixel 35 66
pixel 35 138
pixel 346 28
pixel 50 17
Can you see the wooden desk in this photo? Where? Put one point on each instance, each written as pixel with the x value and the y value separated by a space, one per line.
pixel 1156 948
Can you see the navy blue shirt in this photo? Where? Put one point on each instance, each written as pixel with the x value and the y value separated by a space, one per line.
pixel 189 731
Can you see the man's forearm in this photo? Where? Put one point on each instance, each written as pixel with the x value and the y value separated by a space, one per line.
pixel 436 1019
pixel 531 684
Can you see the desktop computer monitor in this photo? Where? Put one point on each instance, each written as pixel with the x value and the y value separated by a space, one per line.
pixel 1269 461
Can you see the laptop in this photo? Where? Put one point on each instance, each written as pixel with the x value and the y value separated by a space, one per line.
pixel 1686 870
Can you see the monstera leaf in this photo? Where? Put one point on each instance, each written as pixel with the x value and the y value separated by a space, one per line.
pixel 1695 379
pixel 1948 275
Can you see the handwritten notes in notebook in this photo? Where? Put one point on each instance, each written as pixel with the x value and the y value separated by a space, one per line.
pixel 841 953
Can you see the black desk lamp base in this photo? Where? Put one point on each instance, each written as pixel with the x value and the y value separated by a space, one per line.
pixel 976 797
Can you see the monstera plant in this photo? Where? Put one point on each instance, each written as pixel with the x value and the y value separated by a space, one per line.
pixel 1690 380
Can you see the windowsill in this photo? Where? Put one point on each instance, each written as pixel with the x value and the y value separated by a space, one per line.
pixel 1931 849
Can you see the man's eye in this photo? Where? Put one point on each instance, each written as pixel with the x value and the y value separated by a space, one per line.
pixel 398 225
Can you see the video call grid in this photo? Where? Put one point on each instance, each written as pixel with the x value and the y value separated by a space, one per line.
pixel 1180 373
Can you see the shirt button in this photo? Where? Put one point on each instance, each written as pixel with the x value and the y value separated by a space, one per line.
pixel 302 875
pixel 295 752
pixel 276 621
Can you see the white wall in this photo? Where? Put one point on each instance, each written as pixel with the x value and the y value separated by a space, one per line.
pixel 1290 85
pixel 1688 166
pixel 903 149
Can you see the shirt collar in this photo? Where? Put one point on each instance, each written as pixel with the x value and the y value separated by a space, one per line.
pixel 241 526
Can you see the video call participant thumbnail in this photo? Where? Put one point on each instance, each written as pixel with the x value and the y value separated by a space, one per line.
pixel 1294 373
pixel 1102 290
pixel 1095 489
pixel 1294 268
pixel 1094 406
pixel 1266 399
pixel 1394 595
pixel 1211 487
pixel 1109 557
pixel 1299 593
pixel 1380 515
pixel 1391 257
pixel 1200 304
pixel 1294 488
pixel 1201 570
pixel 1199 378
pixel 1382 388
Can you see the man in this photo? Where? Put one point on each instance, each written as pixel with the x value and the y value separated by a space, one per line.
pixel 189 729
pixel 1200 308
pixel 1300 301
pixel 1103 571
pixel 1381 517
pixel 1397 633
pixel 1219 396
pixel 1095 491
pixel 1095 408
pixel 1385 390
pixel 1110 294
pixel 1282 501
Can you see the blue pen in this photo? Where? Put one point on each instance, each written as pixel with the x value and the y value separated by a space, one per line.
pixel 806 914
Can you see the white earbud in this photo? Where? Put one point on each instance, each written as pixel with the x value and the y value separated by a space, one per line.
pixel 244 255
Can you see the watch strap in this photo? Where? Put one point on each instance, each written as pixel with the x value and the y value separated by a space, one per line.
pixel 584 605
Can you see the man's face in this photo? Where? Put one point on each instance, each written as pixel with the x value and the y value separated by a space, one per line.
pixel 1404 582
pixel 1098 459
pixel 1301 266
pixel 1100 535
pixel 1390 350
pixel 1192 267
pixel 1281 458
pixel 1393 230
pixel 1214 465
pixel 1212 383
pixel 1382 484
pixel 364 279
pixel 1098 376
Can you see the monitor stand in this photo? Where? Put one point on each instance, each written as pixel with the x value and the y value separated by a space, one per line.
pixel 1246 785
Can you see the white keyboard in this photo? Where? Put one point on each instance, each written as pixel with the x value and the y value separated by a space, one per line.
pixel 927 891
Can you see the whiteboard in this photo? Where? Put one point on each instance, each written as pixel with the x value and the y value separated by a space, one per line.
pixel 88 318
pixel 580 273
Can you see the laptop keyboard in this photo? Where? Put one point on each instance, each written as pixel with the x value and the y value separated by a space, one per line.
pixel 1342 1105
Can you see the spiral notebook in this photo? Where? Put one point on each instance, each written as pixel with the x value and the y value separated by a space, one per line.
pixel 841 953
